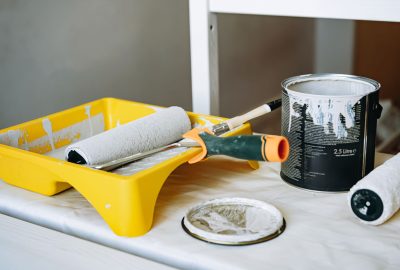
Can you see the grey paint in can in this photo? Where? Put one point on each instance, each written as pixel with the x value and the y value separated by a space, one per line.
pixel 330 122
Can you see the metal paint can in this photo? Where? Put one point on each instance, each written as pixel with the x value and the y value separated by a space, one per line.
pixel 330 122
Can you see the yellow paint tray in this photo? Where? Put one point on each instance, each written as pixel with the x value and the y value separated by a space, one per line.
pixel 125 199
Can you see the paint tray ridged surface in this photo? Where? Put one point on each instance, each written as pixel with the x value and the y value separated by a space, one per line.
pixel 32 157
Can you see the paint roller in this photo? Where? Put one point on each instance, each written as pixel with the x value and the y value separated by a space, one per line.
pixel 153 131
pixel 376 197
pixel 160 131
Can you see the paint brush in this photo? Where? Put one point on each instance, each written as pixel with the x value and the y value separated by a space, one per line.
pixel 239 120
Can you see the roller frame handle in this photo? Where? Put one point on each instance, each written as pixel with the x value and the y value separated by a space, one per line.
pixel 249 147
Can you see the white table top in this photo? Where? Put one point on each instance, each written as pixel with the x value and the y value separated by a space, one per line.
pixel 321 233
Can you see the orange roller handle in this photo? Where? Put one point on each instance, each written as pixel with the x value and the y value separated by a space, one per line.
pixel 276 148
pixel 250 147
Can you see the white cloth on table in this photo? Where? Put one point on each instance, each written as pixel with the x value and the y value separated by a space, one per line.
pixel 321 232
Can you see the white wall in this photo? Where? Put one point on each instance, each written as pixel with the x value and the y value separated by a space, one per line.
pixel 334 45
pixel 256 54
pixel 57 54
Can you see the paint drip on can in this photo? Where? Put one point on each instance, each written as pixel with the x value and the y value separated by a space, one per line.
pixel 330 122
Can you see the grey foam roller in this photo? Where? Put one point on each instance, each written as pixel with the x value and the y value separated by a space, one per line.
pixel 155 130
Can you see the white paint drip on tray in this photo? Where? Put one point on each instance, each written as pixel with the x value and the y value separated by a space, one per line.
pixel 25 146
pixel 72 133
pixel 49 130
pixel 10 137
pixel 87 111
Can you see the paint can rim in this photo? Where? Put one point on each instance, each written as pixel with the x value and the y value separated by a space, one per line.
pixel 329 76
